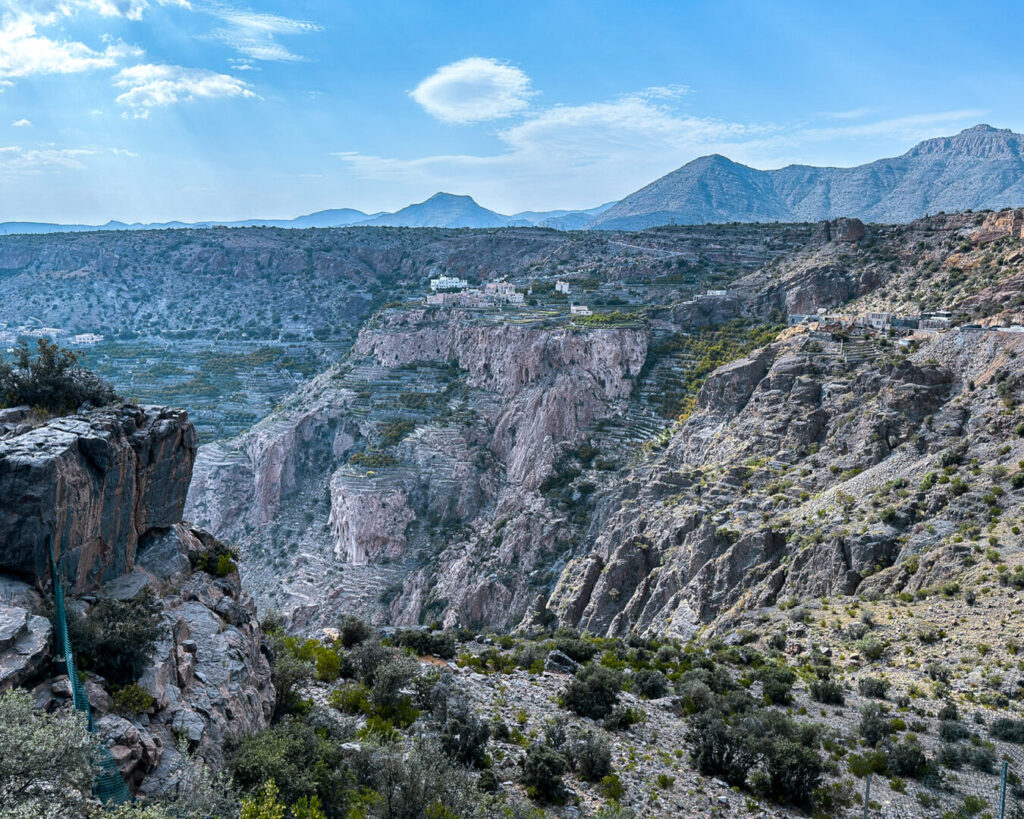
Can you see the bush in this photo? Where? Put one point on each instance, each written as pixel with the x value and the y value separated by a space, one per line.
pixel 117 637
pixel 303 762
pixel 51 380
pixel 951 731
pixel 577 648
pixel 870 648
pixel 593 692
pixel 422 642
pixel 352 631
pixel 1008 730
pixel 612 787
pixel 463 735
pixel 828 692
pixel 46 767
pixel 132 699
pixel 592 756
pixel 906 759
pixel 777 684
pixel 873 687
pixel 650 684
pixel 621 719
pixel 874 727
pixel 542 770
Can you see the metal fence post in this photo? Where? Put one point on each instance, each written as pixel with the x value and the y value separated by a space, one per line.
pixel 867 795
pixel 1002 791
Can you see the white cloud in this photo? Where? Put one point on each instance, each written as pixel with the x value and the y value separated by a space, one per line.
pixel 46 12
pixel 476 89
pixel 254 34
pixel 22 123
pixel 25 52
pixel 155 86
pixel 15 158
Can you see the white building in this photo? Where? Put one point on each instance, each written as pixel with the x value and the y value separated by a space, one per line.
pixel 516 298
pixel 879 321
pixel 86 338
pixel 717 293
pixel 562 287
pixel 580 310
pixel 448 283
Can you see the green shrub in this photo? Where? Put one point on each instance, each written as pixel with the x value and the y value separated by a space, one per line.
pixel 874 687
pixel 650 684
pixel 870 648
pixel 542 770
pixel 117 637
pixel 828 692
pixel 950 731
pixel 593 692
pixel 302 761
pixel 612 787
pixel 777 684
pixel 423 642
pixel 622 718
pixel 874 727
pixel 51 379
pixel 352 631
pixel 592 756
pixel 132 699
pixel 906 759
pixel 1008 730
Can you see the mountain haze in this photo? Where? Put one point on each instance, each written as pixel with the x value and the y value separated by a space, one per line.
pixel 981 167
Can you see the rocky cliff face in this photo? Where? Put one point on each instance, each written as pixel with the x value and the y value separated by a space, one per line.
pixel 802 472
pixel 109 487
pixel 437 433
pixel 94 485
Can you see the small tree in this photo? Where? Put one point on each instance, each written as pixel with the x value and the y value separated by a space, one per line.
pixel 51 379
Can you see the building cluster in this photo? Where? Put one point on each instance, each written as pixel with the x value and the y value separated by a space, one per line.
pixel 449 291
pixel 9 335
pixel 877 321
pixel 562 287
pixel 448 283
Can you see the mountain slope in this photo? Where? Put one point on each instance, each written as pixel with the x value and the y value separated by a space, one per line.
pixel 979 168
pixel 444 210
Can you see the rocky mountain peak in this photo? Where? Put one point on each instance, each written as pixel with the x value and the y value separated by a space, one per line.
pixel 979 142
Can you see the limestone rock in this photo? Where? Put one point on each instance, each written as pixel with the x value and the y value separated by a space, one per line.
pixel 96 483
pixel 24 644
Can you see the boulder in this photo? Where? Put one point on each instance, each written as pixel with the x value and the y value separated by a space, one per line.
pixel 94 483
pixel 24 644
pixel 561 663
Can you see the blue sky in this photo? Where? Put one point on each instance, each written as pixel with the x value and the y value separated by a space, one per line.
pixel 219 109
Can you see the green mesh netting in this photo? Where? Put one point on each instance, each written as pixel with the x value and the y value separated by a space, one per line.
pixel 109 785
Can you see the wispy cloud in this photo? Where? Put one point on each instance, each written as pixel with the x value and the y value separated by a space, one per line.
pixel 155 86
pixel 22 123
pixel 476 89
pixel 14 158
pixel 254 34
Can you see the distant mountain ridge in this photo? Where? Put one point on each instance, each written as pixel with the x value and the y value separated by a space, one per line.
pixel 981 167
pixel 442 210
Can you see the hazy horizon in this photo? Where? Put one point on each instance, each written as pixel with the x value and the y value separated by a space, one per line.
pixel 166 110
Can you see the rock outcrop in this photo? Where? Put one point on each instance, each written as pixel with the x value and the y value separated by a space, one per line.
pixel 802 473
pixel 108 487
pixel 95 484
